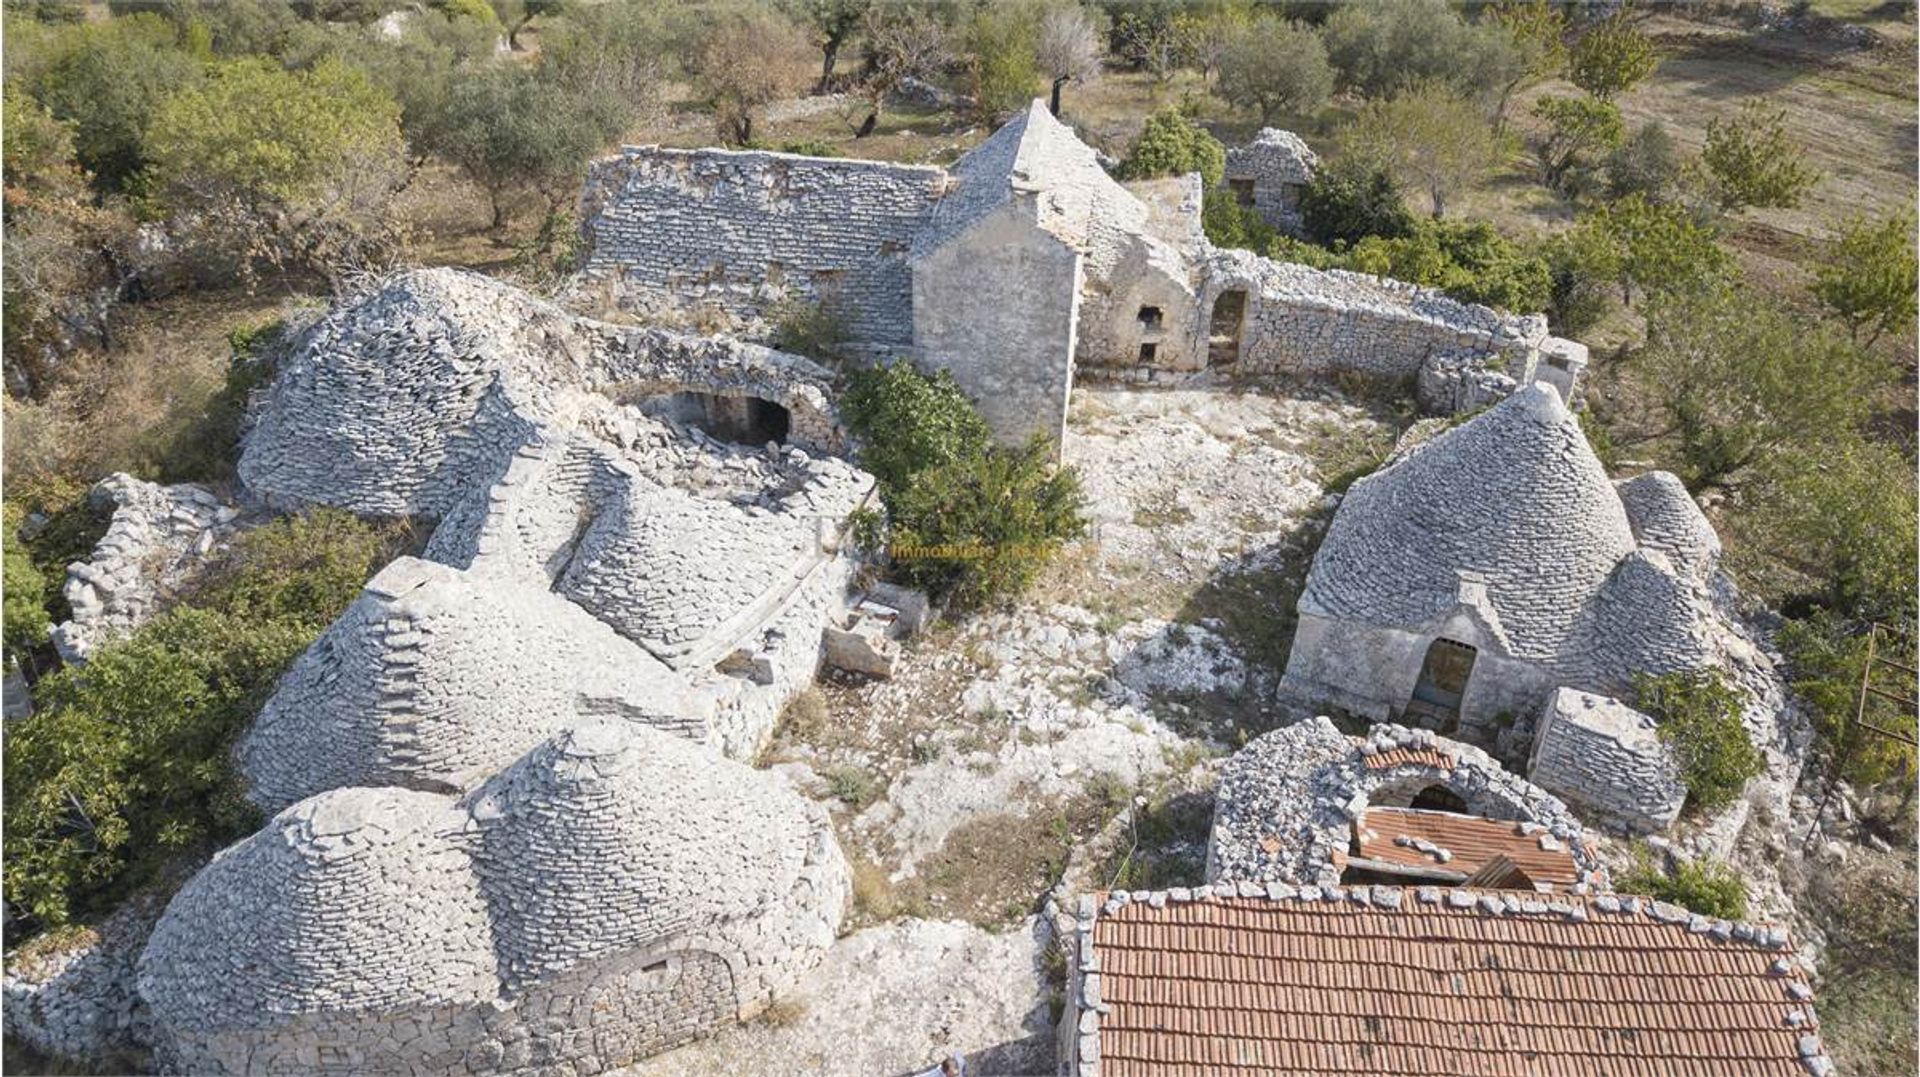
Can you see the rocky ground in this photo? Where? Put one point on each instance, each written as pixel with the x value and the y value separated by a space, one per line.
pixel 1080 726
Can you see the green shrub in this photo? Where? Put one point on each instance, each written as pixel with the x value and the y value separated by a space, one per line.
pixel 23 589
pixel 1699 715
pixel 1230 224
pixel 1577 129
pixel 1172 145
pixel 1826 655
pixel 969 519
pixel 1702 886
pixel 1647 163
pixel 1347 203
pixel 128 761
pixel 1753 162
pixel 1870 277
pixel 1467 260
pixel 208 448
pixel 818 330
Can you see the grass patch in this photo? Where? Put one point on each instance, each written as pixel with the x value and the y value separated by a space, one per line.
pixel 1165 845
pixel 853 786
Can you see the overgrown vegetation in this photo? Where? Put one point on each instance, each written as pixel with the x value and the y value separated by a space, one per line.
pixel 1707 887
pixel 1699 716
pixel 127 763
pixel 967 519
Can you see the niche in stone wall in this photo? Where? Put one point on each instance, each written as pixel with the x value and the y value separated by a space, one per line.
pixel 743 420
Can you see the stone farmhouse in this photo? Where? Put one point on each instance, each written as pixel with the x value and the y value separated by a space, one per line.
pixel 1024 266
pixel 613 892
pixel 1480 570
pixel 1335 935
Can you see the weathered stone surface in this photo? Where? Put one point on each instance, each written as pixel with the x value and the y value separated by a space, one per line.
pixel 614 892
pixel 1603 756
pixel 1288 800
pixel 1269 173
pixel 157 538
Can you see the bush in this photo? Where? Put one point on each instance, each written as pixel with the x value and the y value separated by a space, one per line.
pixel 1468 260
pixel 23 590
pixel 208 448
pixel 1577 128
pixel 818 330
pixel 287 166
pixel 128 762
pixel 1611 58
pixel 1345 204
pixel 1172 145
pixel 1753 162
pixel 109 80
pixel 1383 47
pixel 1826 655
pixel 969 519
pixel 1870 277
pixel 1645 164
pixel 999 43
pixel 1230 224
pixel 1699 715
pixel 1706 887
pixel 1428 137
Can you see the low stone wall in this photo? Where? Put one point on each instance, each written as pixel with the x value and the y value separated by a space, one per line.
pixel 159 536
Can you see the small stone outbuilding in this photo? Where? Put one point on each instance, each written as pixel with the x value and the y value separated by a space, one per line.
pixel 1607 759
pixel 1268 175
pixel 1487 566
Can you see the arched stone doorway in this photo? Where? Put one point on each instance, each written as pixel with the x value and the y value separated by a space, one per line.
pixel 1442 684
pixel 1225 326
pixel 743 420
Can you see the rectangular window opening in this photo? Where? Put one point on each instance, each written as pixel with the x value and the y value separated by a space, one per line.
pixel 1151 317
pixel 1148 351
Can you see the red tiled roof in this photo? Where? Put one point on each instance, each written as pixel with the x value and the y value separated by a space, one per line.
pixel 1471 839
pixel 1425 757
pixel 1251 985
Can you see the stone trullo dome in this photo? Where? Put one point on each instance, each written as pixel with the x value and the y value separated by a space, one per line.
pixel 614 892
pixel 436 678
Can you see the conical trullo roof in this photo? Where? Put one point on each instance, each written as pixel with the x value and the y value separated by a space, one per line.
pixel 353 900
pixel 1514 498
pixel 436 678
pixel 610 838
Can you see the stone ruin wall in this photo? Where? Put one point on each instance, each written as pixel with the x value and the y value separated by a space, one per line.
pixel 677 233
pixel 1288 801
pixel 1608 758
pixel 157 538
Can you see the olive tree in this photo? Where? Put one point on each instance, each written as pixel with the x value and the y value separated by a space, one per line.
pixel 1753 162
pixel 1067 48
pixel 1276 67
pixel 1429 138
pixel 1869 277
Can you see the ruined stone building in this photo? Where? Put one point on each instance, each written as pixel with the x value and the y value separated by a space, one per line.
pixel 1024 266
pixel 1268 175
pixel 1480 570
pixel 1308 805
pixel 613 892
pixel 702 572
pixel 1398 904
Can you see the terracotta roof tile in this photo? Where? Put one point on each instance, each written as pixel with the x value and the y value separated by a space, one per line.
pixel 1236 985
pixel 1471 839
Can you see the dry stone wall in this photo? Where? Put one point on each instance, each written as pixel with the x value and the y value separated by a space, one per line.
pixel 436 678
pixel 673 231
pixel 1275 165
pixel 1603 756
pixel 157 538
pixel 615 891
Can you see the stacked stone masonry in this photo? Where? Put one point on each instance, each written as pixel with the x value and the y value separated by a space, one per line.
pixel 1288 802
pixel 1608 759
pixel 157 537
pixel 1504 538
pixel 1023 263
pixel 615 891
pixel 1268 174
